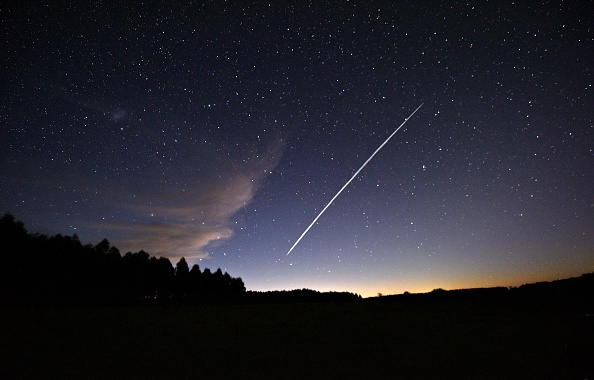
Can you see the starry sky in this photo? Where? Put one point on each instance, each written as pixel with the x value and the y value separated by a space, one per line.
pixel 218 130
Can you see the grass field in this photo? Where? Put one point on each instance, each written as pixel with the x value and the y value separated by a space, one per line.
pixel 295 341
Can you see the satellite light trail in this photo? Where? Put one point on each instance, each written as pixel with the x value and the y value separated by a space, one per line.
pixel 352 178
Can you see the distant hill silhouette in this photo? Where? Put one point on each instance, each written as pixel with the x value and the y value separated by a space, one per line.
pixel 572 294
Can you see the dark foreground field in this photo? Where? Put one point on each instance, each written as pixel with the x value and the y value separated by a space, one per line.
pixel 298 341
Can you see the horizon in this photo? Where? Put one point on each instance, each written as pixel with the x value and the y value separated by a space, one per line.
pixel 364 295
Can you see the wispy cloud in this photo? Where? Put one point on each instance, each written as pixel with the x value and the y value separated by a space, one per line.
pixel 174 239
pixel 198 215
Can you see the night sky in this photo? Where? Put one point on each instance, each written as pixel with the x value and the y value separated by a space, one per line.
pixel 218 131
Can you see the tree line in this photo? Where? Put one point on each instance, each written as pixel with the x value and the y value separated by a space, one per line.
pixel 299 296
pixel 41 269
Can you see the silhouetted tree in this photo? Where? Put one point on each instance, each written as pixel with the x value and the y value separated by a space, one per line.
pixel 181 268
pixel 206 282
pixel 162 276
pixel 237 286
pixel 195 271
pixel 218 283
pixel 136 274
pixel 227 283
pixel 12 234
pixel 182 273
pixel 102 247
pixel 14 244
pixel 195 282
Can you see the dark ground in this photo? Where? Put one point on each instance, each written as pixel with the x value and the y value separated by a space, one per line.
pixel 296 341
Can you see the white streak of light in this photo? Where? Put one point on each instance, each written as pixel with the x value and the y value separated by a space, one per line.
pixel 352 178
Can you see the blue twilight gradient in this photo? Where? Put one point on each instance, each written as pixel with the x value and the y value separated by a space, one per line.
pixel 219 131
